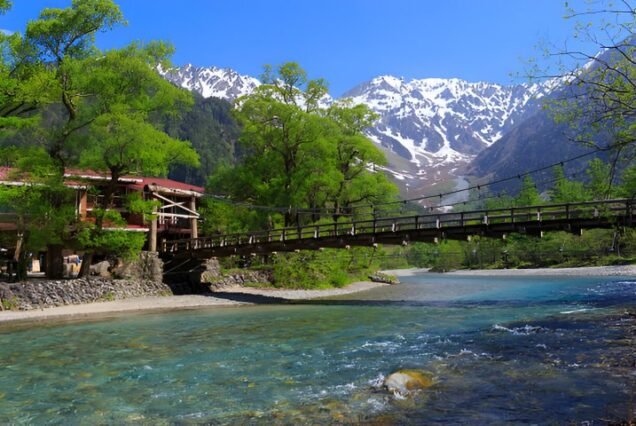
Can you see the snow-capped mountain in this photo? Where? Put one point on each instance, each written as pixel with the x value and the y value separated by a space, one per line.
pixel 435 123
pixel 429 127
pixel 223 83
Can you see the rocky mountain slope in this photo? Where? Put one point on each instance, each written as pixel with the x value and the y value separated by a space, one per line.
pixel 209 82
pixel 439 125
pixel 429 128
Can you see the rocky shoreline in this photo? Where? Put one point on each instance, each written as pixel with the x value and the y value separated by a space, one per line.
pixel 39 299
pixel 40 293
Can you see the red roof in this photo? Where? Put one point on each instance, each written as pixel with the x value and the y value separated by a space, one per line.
pixel 167 183
pixel 136 182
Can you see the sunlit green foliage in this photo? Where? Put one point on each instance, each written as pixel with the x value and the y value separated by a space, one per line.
pixel 565 190
pixel 299 156
pixel 98 111
pixel 320 269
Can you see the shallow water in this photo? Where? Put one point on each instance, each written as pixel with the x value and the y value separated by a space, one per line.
pixel 503 350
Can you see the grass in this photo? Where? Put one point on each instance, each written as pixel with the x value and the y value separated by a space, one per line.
pixel 9 304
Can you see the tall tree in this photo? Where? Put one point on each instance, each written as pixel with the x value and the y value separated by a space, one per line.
pixel 25 83
pixel 355 157
pixel 600 183
pixel 298 155
pixel 528 195
pixel 565 190
pixel 281 137
pixel 600 97
pixel 104 101
pixel 40 220
pixel 65 39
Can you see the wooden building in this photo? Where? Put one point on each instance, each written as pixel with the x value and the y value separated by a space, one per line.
pixel 176 216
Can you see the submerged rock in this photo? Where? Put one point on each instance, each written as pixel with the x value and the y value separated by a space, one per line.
pixel 406 382
pixel 380 277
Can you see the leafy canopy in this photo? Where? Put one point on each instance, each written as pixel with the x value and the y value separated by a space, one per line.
pixel 300 154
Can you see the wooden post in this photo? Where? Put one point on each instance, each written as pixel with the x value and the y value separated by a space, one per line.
pixel 193 221
pixel 82 207
pixel 152 242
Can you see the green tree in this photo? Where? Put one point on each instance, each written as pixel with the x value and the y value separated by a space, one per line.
pixel 65 40
pixel 282 137
pixel 299 156
pixel 528 195
pixel 25 83
pixel 354 153
pixel 565 190
pixel 41 220
pixel 599 100
pixel 105 104
pixel 628 187
pixel 599 185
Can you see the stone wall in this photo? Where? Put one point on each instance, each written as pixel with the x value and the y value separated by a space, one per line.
pixel 214 279
pixel 147 267
pixel 37 294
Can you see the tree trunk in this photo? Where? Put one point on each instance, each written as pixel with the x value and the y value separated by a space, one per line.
pixel 85 269
pixel 54 262
pixel 21 267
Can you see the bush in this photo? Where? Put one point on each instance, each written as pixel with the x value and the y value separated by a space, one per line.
pixel 322 269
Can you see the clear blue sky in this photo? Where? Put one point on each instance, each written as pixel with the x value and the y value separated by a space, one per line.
pixel 344 41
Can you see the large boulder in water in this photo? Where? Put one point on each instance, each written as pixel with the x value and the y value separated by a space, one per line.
pixel 406 382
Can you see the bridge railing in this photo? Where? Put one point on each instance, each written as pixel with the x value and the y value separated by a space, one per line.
pixel 594 210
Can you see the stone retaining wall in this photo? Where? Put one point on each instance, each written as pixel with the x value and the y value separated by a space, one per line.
pixel 37 294
pixel 214 279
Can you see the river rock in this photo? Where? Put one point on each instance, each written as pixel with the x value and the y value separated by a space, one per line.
pixel 380 277
pixel 406 382
pixel 101 269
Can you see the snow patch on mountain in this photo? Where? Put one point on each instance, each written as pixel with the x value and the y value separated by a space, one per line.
pixel 438 122
pixel 223 83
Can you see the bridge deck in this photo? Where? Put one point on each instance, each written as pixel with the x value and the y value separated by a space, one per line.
pixel 533 220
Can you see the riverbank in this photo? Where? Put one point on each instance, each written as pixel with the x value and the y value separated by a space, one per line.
pixel 231 296
pixel 133 304
pixel 586 271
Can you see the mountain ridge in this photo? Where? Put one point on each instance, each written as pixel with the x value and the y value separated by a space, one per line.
pixel 430 128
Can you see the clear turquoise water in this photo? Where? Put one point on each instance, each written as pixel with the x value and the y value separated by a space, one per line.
pixel 503 350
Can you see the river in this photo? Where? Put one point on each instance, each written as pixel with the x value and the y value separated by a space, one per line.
pixel 503 350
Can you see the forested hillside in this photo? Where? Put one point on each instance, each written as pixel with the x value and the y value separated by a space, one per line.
pixel 213 133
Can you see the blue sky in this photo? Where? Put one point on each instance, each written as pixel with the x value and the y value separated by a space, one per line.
pixel 344 41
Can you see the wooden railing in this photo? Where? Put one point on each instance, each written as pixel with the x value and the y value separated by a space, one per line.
pixel 592 210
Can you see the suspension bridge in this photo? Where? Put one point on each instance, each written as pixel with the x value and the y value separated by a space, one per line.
pixel 432 227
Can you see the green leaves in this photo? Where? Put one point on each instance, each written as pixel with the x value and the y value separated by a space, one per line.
pixel 567 191
pixel 70 32
pixel 101 110
pixel 299 156
pixel 122 144
pixel 4 6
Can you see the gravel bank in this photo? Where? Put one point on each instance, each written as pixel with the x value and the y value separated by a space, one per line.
pixel 166 303
pixel 287 294
pixel 134 304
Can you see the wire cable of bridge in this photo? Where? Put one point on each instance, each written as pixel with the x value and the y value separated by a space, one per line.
pixel 495 182
pixel 500 195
